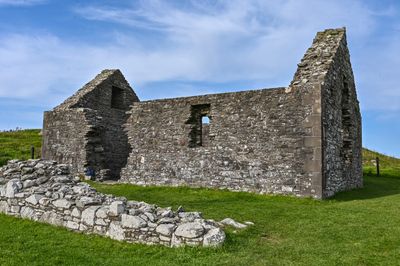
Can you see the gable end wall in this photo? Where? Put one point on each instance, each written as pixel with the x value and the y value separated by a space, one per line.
pixel 341 120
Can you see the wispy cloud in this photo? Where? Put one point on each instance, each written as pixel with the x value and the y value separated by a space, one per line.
pixel 213 41
pixel 259 40
pixel 20 2
pixel 235 16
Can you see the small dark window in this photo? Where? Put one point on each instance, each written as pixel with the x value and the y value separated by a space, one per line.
pixel 117 98
pixel 347 124
pixel 199 122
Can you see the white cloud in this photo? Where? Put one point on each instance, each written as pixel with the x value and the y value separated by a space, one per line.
pixel 20 2
pixel 239 39
pixel 32 67
pixel 201 41
pixel 236 40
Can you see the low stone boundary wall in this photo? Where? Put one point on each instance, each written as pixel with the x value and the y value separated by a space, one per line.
pixel 44 191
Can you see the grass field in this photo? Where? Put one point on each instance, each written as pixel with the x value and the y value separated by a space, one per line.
pixel 389 166
pixel 17 144
pixel 359 227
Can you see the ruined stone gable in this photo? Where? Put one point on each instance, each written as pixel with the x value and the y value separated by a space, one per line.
pixel 303 140
pixel 87 131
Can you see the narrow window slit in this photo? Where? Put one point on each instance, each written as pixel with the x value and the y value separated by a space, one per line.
pixel 199 122
pixel 347 124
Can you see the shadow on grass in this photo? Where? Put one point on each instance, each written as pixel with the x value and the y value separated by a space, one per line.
pixel 386 184
pixel 374 187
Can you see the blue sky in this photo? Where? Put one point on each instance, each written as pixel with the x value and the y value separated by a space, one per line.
pixel 49 49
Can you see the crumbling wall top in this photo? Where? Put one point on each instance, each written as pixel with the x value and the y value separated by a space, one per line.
pixel 319 57
pixel 111 76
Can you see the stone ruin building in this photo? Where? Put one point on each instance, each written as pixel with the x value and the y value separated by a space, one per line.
pixel 303 140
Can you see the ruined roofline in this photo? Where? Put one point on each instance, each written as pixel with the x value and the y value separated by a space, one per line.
pixel 71 101
pixel 332 31
pixel 321 41
pixel 319 57
pixel 271 90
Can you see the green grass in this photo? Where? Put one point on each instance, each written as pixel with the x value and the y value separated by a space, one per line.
pixel 355 228
pixel 17 144
pixel 389 166
pixel 360 227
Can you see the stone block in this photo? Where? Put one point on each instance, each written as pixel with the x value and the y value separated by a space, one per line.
pixel 4 207
pixel 72 225
pixel 165 229
pixel 88 215
pixel 189 230
pixel 13 187
pixel 116 208
pixel 62 204
pixel 85 201
pixel 76 213
pixel 116 231
pixel 34 199
pixel 102 212
pixel 134 222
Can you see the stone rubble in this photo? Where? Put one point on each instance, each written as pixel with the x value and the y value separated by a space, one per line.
pixel 233 223
pixel 44 191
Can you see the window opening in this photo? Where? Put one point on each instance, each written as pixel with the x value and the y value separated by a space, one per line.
pixel 117 98
pixel 347 146
pixel 199 122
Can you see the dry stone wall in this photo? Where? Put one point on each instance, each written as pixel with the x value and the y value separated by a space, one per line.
pixel 45 191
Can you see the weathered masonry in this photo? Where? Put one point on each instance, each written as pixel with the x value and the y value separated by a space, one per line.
pixel 304 139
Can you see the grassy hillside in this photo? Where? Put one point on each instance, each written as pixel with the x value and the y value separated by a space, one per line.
pixel 389 166
pixel 17 144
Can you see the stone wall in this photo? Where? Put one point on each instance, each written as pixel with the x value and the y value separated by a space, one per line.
pixel 252 143
pixel 45 191
pixel 303 140
pixel 64 137
pixel 91 122
pixel 325 74
pixel 342 147
pixel 265 141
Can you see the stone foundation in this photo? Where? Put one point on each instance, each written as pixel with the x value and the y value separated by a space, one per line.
pixel 44 191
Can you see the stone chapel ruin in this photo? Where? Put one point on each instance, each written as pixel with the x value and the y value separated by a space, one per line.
pixel 303 140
